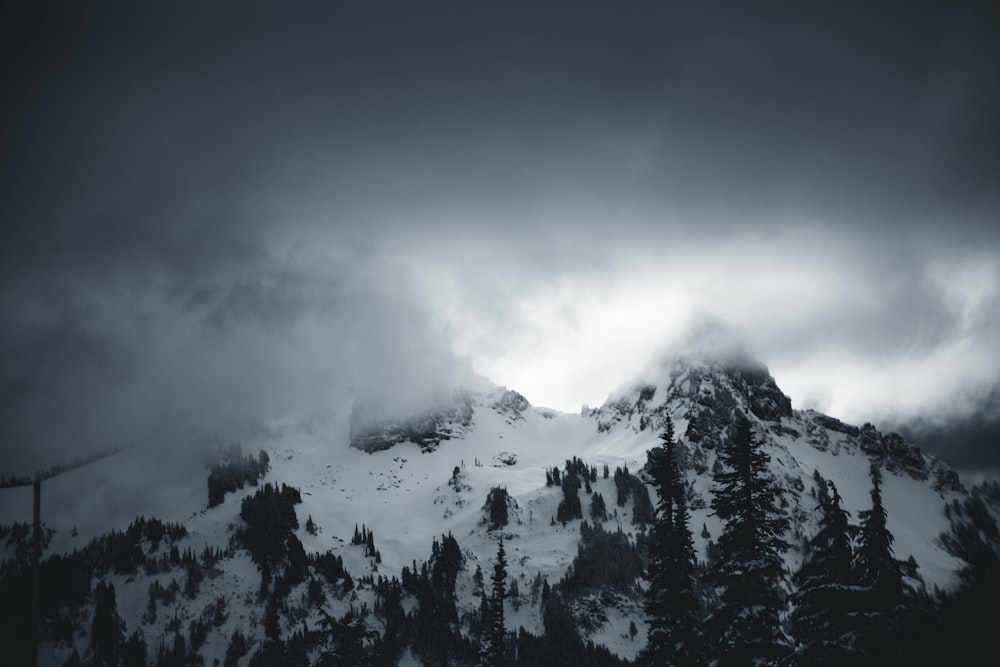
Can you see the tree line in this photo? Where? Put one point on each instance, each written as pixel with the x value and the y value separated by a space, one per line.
pixel 852 603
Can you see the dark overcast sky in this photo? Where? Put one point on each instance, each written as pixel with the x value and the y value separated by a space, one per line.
pixel 217 216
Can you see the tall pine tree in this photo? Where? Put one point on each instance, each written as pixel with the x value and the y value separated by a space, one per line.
pixel 106 630
pixel 673 608
pixel 824 621
pixel 493 650
pixel 750 569
pixel 887 603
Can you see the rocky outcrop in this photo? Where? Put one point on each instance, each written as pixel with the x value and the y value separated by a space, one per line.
pixel 511 405
pixel 761 393
pixel 708 393
pixel 372 431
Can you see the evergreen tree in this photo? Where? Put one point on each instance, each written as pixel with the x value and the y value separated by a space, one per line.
pixel 238 647
pixel 178 654
pixel 514 594
pixel 570 507
pixel 106 630
pixel 496 506
pixel 622 486
pixel 886 601
pixel 876 566
pixel 344 640
pixel 750 570
pixel 493 651
pixel 484 625
pixel 968 615
pixel 824 622
pixel 604 560
pixel 676 633
pixel 598 508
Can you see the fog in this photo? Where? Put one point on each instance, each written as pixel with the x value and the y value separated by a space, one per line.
pixel 217 218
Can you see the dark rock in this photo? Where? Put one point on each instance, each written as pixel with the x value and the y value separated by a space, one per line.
pixel 511 404
pixel 836 425
pixel 945 479
pixel 901 456
pixel 372 433
pixel 761 393
pixel 785 430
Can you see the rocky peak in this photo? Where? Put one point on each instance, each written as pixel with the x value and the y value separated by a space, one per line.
pixel 375 427
pixel 708 377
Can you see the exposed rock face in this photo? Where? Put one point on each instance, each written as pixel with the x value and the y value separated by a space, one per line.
pixel 703 393
pixel 709 392
pixel 761 393
pixel 371 431
pixel 945 479
pixel 511 404
pixel 510 441
pixel 831 424
pixel 702 388
pixel 374 429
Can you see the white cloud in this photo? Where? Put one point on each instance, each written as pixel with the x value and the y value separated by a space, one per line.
pixel 852 330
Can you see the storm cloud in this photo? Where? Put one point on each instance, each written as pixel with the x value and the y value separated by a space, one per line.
pixel 214 217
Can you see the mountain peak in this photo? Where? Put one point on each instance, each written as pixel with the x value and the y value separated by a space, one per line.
pixel 708 348
pixel 706 375
pixel 709 341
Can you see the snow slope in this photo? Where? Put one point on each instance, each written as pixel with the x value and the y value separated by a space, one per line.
pixel 408 494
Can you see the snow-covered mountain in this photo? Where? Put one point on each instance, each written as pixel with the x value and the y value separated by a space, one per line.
pixel 407 480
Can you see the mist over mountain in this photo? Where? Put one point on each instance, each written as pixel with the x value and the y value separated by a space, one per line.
pixel 284 290
pixel 251 209
pixel 967 442
pixel 389 519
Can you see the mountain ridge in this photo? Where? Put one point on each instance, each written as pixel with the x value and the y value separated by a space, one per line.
pixel 408 479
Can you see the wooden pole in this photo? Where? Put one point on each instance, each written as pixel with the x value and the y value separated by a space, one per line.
pixel 36 555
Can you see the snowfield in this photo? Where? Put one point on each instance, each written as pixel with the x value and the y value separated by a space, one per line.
pixel 407 496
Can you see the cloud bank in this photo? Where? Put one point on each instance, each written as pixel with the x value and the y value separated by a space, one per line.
pixel 213 218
